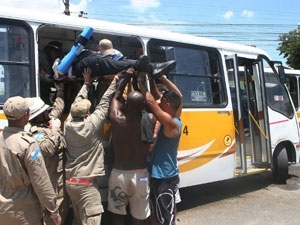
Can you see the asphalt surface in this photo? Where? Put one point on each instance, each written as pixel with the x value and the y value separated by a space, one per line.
pixel 250 200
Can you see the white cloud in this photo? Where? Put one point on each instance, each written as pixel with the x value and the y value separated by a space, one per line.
pixel 54 6
pixel 40 5
pixel 228 15
pixel 247 13
pixel 142 5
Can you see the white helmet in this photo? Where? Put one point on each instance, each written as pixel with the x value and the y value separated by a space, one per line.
pixel 36 107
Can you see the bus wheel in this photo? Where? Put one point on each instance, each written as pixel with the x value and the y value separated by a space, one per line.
pixel 280 165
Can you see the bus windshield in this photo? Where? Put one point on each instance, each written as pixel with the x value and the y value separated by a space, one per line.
pixel 277 95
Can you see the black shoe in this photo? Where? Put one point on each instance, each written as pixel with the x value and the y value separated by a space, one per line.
pixel 143 64
pixel 159 69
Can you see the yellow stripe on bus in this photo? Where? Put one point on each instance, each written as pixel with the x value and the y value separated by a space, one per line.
pixel 298 115
pixel 2 116
pixel 206 135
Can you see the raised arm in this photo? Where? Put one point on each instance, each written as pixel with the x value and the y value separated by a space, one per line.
pixel 172 87
pixel 118 100
pixel 154 89
pixel 83 93
pixel 170 127
pixel 88 80
pixel 59 104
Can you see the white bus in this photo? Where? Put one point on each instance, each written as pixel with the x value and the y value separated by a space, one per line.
pixel 219 105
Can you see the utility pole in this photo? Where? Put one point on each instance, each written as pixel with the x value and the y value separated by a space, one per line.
pixel 67 10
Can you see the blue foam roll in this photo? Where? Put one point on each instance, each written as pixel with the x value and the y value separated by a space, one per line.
pixel 67 61
pixel 87 32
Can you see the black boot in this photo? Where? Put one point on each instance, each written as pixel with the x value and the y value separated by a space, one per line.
pixel 143 64
pixel 159 69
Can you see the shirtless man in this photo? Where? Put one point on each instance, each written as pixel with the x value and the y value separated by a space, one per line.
pixel 132 135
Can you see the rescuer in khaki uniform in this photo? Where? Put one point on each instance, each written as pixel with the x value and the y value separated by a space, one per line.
pixel 45 127
pixel 26 191
pixel 85 153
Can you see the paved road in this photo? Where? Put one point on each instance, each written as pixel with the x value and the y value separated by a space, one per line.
pixel 251 200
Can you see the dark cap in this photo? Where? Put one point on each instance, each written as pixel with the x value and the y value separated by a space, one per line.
pixel 53 45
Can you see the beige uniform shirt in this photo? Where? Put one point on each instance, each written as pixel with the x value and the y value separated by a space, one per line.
pixel 25 187
pixel 85 154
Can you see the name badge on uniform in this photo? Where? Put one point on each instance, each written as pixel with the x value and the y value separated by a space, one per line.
pixel 38 136
pixel 36 154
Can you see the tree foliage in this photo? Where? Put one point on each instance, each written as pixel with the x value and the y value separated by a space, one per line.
pixel 290 48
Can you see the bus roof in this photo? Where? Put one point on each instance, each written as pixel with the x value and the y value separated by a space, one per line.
pixel 61 20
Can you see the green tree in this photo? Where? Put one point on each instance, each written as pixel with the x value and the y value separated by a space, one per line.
pixel 290 48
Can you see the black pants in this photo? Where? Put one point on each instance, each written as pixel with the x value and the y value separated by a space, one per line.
pixel 100 65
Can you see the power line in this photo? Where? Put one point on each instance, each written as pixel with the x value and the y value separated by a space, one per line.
pixel 198 18
pixel 213 24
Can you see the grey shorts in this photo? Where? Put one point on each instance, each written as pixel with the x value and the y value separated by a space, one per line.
pixel 129 187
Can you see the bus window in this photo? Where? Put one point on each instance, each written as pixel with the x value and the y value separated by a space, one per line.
pixel 277 96
pixel 14 61
pixel 197 72
pixel 2 88
pixel 291 83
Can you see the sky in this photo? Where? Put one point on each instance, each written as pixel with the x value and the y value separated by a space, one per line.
pixel 255 22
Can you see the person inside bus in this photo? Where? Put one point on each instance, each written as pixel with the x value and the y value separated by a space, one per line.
pixel 163 166
pixel 52 54
pixel 106 49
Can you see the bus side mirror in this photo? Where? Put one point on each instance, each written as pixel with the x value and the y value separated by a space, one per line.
pixel 280 70
pixel 281 74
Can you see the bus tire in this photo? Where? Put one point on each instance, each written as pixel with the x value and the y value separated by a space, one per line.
pixel 280 165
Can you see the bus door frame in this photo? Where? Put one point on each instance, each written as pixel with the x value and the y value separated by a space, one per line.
pixel 239 126
pixel 260 133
